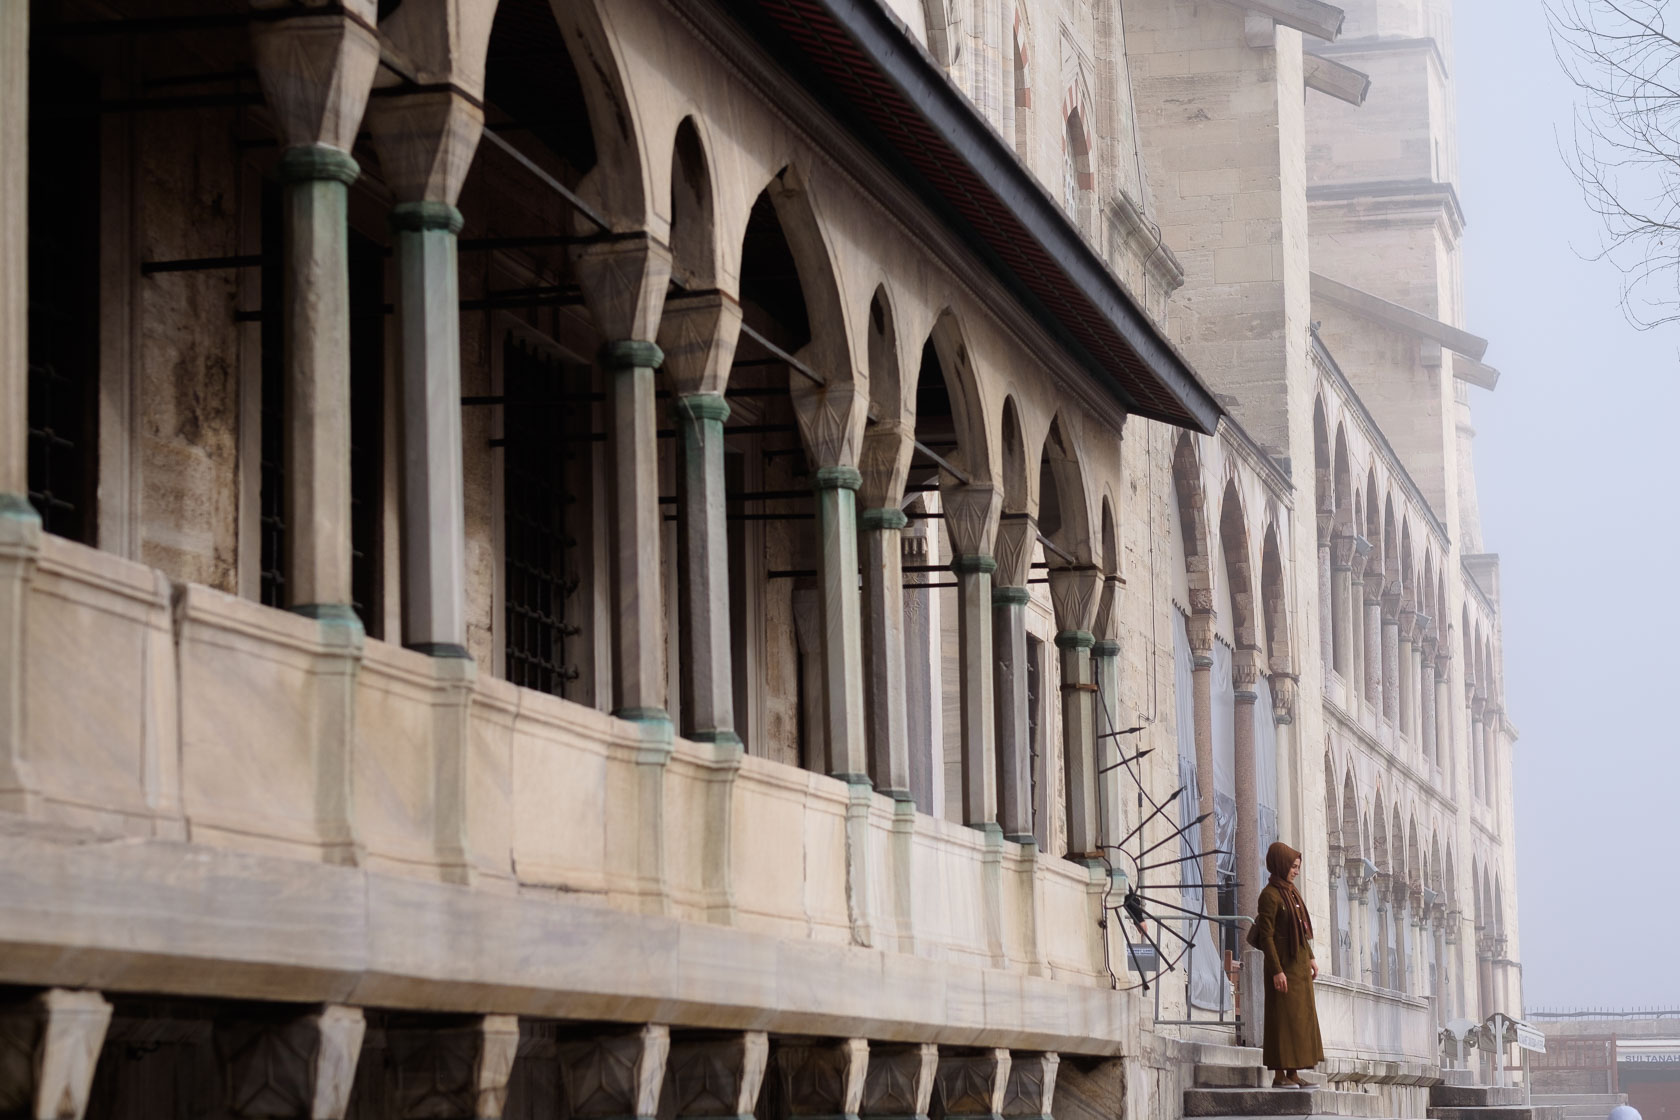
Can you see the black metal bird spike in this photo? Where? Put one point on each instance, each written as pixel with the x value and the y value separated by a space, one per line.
pixel 1183 859
pixel 1128 731
pixel 1181 830
pixel 1159 809
pixel 1126 761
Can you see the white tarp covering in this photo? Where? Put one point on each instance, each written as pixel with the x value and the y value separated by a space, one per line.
pixel 1208 988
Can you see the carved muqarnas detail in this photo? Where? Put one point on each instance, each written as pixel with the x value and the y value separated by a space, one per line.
pixel 900 1081
pixel 823 1079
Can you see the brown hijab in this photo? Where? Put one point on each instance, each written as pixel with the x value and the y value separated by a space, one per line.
pixel 1279 858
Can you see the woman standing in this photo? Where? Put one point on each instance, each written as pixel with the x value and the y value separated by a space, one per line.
pixel 1283 931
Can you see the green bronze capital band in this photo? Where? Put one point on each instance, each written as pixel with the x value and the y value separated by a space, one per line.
pixel 1108 647
pixel 631 354
pixel 976 564
pixel 836 478
pixel 702 406
pixel 887 517
pixel 1011 596
pixel 418 217
pixel 1075 639
pixel 317 163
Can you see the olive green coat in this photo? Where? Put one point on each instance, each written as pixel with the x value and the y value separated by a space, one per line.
pixel 1292 1038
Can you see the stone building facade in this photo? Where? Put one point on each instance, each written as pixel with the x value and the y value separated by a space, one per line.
pixel 685 558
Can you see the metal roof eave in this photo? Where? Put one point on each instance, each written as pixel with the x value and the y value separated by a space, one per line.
pixel 1079 274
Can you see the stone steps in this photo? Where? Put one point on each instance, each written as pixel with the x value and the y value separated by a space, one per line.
pixel 1232 1077
pixel 1475 1096
pixel 1500 1112
pixel 1284 1102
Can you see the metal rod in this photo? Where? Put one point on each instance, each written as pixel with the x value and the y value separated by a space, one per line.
pixel 941 462
pixel 536 241
pixel 1050 546
pixel 783 356
pixel 1159 809
pixel 553 184
pixel 200 264
pixel 1128 731
pixel 163 24
pixel 1182 829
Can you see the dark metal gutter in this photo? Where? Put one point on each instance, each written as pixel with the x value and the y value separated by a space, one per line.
pixel 860 62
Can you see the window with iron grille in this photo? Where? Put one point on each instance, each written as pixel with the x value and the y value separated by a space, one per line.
pixel 542 448
pixel 63 418
pixel 367 380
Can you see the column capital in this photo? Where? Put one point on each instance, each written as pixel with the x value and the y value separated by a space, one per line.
pixel 1107 647
pixel 1341 551
pixel 1016 535
pixel 1075 640
pixel 884 462
pixel 974 564
pixel 1200 627
pixel 1285 690
pixel 836 478
pixel 313 163
pixel 1245 673
pixel 698 331
pixel 426 139
pixel 1074 592
pixel 701 406
pixel 971 516
pixel 624 282
pixel 629 354
pixel 316 67
pixel 884 518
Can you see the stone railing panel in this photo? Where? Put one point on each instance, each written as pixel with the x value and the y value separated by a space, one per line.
pixel 100 748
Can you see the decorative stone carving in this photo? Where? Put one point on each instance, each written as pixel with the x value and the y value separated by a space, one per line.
pixel 1200 628
pixel 1285 688
pixel 698 333
pixel 316 69
pixel 612 1077
pixel 716 1076
pixel 296 1067
pixel 452 1073
pixel 1073 591
pixel 971 517
pixel 831 416
pixel 624 282
pixel 823 1079
pixel 1032 1086
pixel 899 1085
pixel 426 140
pixel 1016 535
pixel 885 463
pixel 1245 671
pixel 48 1050
pixel 972 1086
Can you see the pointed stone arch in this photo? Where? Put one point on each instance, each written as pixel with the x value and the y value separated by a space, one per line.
pixel 1238 567
pixel 694 255
pixel 1193 523
pixel 1275 605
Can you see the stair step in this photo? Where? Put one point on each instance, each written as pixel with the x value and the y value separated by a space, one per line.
pixel 1285 1102
pixel 1218 1054
pixel 1232 1077
pixel 1475 1096
pixel 1499 1112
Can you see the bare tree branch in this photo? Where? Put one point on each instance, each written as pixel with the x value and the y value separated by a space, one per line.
pixel 1624 149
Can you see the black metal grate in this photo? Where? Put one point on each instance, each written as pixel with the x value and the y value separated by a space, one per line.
pixel 63 422
pixel 541 576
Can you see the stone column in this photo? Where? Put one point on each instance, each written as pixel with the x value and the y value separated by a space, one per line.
pixel 716 1077
pixel 1074 592
pixel 1326 597
pixel 887 448
pixel 1456 963
pixel 303 1066
pixel 49 1047
pixel 623 283
pixel 14 264
pixel 697 334
pixel 1342 613
pixel 1406 619
pixel 841 623
pixel 426 142
pixel 1373 648
pixel 1105 669
pixel 1016 536
pixel 316 71
pixel 1285 688
pixel 615 1076
pixel 1390 608
pixel 1492 722
pixel 971 520
pixel 1200 629
pixel 1338 957
pixel 1420 683
pixel 899 1083
pixel 1478 742
pixel 1427 722
pixel 1358 960
pixel 822 1080
pixel 1382 972
pixel 1245 674
pixel 1443 717
pixel 972 1085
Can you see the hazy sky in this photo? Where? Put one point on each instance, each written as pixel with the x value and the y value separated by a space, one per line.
pixel 1576 455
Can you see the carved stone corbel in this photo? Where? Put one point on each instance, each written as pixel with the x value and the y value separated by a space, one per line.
pixel 49 1047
